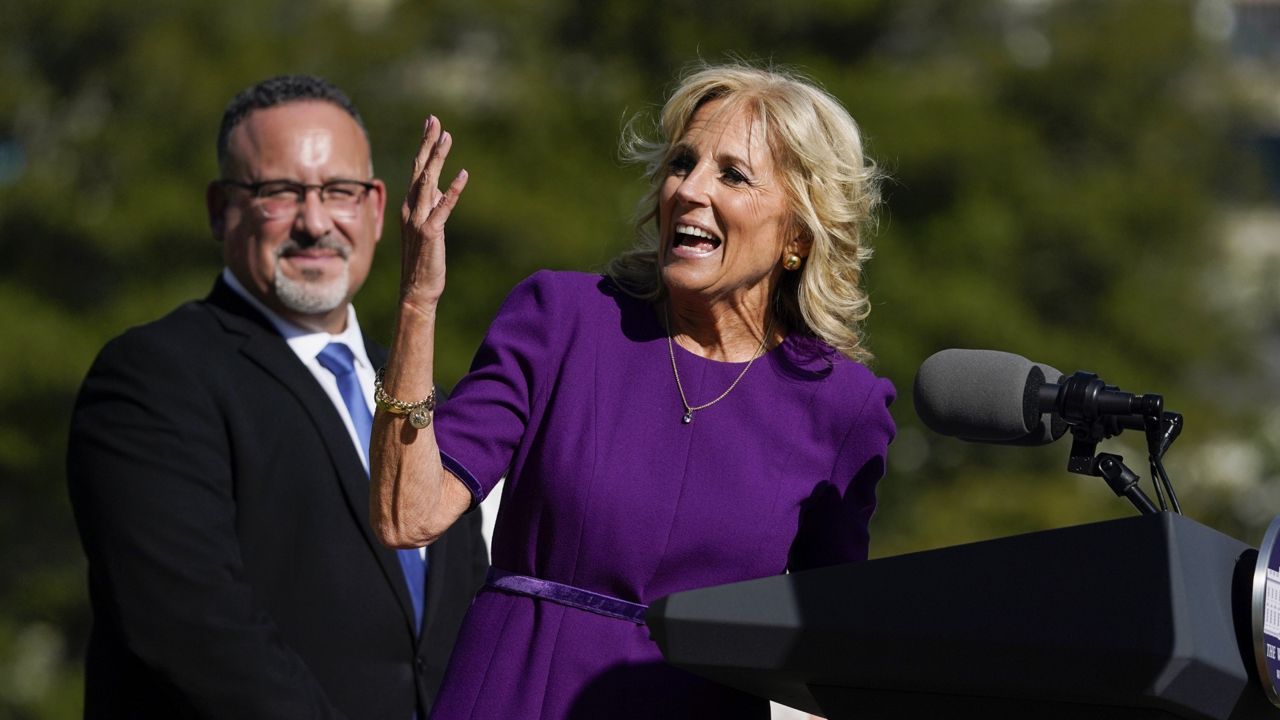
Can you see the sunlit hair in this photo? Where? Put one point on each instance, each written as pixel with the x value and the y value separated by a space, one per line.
pixel 832 191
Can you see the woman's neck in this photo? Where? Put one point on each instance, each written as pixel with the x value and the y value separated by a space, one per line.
pixel 722 332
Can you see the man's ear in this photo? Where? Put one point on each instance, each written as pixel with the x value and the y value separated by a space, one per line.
pixel 215 203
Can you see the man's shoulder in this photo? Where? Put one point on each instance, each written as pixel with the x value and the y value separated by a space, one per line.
pixel 189 320
pixel 175 356
pixel 191 333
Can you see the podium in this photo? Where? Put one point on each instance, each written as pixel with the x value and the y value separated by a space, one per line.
pixel 1144 617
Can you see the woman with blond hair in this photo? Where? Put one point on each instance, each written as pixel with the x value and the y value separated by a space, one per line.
pixel 698 415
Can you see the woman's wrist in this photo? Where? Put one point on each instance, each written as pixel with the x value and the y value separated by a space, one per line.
pixel 419 412
pixel 410 366
pixel 417 310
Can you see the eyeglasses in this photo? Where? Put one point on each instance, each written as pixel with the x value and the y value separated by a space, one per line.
pixel 281 198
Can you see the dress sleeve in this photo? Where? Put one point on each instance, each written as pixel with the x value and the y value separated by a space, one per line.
pixel 834 520
pixel 481 424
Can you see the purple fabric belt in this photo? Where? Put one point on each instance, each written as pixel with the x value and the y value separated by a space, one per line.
pixel 561 594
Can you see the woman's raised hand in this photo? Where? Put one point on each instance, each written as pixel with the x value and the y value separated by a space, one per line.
pixel 423 217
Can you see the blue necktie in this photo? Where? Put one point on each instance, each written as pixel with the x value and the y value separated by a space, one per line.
pixel 338 359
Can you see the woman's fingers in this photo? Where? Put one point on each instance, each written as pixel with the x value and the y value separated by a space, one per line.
pixel 424 193
pixel 448 200
pixel 430 134
pixel 424 213
pixel 435 160
pixel 427 195
pixel 424 178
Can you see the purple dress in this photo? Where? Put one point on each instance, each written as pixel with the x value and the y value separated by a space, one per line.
pixel 571 396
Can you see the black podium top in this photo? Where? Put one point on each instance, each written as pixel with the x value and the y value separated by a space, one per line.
pixel 1145 617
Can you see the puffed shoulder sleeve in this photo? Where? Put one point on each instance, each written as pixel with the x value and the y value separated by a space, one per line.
pixel 834 522
pixel 481 424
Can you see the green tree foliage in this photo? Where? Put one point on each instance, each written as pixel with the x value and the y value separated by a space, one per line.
pixel 1055 172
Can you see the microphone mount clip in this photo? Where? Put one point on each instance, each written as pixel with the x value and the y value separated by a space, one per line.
pixel 1095 411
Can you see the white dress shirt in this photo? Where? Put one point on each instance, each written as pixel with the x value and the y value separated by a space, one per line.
pixel 307 344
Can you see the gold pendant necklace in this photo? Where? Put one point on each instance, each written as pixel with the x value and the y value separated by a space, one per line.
pixel 690 409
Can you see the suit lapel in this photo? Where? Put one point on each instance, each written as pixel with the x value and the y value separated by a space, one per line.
pixel 437 572
pixel 265 347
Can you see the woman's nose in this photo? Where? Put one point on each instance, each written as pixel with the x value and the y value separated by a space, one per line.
pixel 695 187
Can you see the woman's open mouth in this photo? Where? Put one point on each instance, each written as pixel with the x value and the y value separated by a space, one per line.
pixel 693 241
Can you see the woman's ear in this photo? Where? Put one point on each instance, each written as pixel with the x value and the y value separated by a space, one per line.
pixel 800 243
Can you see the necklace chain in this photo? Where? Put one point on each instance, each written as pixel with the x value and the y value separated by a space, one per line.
pixel 690 409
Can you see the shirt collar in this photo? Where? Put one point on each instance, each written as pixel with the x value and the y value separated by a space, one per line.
pixel 306 343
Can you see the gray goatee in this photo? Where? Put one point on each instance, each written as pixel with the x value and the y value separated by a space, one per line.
pixel 313 294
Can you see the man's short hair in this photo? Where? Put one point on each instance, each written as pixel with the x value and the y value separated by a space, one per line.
pixel 275 91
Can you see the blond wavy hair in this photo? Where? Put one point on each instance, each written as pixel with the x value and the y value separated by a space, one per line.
pixel 832 191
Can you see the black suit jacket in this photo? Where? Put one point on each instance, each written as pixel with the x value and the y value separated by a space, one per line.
pixel 224 512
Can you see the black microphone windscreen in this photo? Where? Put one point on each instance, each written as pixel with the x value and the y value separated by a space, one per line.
pixel 979 395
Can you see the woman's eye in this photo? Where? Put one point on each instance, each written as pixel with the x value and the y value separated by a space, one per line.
pixel 681 164
pixel 734 177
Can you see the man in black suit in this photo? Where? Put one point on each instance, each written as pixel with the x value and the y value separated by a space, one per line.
pixel 218 460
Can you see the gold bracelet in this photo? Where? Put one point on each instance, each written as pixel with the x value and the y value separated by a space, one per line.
pixel 419 412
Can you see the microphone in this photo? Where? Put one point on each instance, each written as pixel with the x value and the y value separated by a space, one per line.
pixel 988 396
pixel 997 397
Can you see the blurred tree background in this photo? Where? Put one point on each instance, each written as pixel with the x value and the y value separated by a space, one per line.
pixel 1076 181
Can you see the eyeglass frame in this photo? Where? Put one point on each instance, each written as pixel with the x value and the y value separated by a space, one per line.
pixel 255 188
